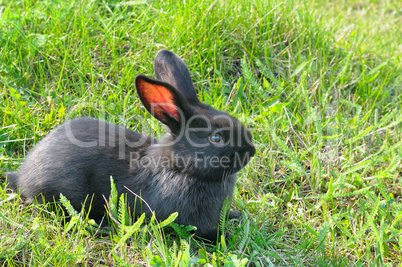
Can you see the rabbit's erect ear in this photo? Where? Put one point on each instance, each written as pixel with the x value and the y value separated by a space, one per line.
pixel 163 101
pixel 171 69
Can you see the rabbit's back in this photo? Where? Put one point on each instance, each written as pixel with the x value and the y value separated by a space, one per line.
pixel 77 159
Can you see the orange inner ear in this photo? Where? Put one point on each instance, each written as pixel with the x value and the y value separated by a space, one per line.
pixel 159 100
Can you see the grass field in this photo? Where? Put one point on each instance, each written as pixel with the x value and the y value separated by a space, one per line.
pixel 318 82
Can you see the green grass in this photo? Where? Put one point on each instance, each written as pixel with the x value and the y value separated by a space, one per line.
pixel 319 84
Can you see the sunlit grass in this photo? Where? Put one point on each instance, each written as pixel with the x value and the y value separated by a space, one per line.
pixel 318 83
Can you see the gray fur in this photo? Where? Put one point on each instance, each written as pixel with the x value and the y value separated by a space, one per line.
pixel 79 156
pixel 170 69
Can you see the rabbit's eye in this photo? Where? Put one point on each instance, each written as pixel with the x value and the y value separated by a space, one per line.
pixel 215 139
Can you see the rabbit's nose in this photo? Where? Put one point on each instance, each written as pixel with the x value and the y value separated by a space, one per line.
pixel 252 151
pixel 248 151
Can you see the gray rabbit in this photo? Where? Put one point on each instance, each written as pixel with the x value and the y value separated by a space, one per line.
pixel 190 170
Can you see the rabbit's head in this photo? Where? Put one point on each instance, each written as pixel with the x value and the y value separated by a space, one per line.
pixel 203 142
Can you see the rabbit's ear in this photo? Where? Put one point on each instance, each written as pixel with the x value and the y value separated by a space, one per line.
pixel 163 101
pixel 171 69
